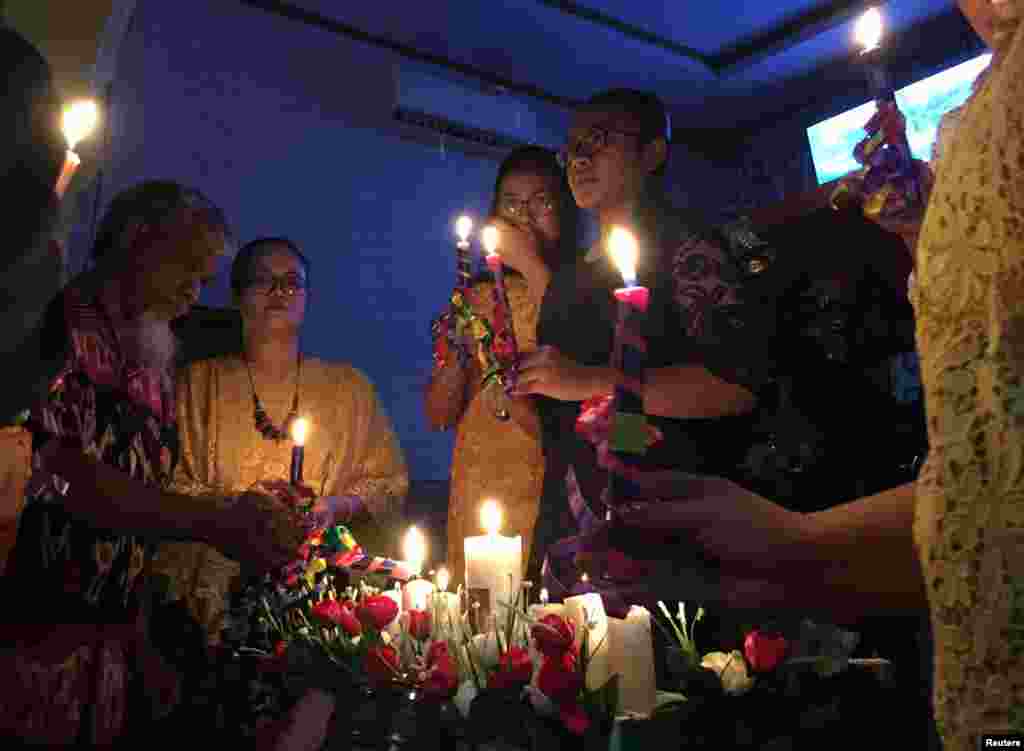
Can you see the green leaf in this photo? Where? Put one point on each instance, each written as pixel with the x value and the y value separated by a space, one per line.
pixel 628 433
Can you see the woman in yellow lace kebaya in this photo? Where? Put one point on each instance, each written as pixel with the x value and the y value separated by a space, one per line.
pixel 235 412
pixel 497 442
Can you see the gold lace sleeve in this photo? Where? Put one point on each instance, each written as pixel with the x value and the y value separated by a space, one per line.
pixel 378 473
pixel 195 572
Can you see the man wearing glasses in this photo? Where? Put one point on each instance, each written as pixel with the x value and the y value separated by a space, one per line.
pixel 705 370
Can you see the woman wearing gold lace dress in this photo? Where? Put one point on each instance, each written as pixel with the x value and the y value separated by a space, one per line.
pixel 497 440
pixel 234 415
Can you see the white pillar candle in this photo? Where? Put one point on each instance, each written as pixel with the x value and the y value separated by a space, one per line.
pixel 446 609
pixel 494 566
pixel 631 656
pixel 416 592
pixel 584 609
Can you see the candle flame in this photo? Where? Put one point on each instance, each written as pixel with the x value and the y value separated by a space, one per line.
pixel 544 595
pixel 300 428
pixel 489 237
pixel 80 119
pixel 868 31
pixel 463 227
pixel 443 578
pixel 584 578
pixel 415 549
pixel 623 251
pixel 490 517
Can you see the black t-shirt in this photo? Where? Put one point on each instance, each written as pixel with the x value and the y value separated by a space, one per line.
pixel 698 315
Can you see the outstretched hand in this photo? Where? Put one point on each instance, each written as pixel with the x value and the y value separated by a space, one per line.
pixel 548 372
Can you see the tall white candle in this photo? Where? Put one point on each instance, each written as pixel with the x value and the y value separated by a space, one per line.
pixel 589 609
pixel 494 565
pixel 631 656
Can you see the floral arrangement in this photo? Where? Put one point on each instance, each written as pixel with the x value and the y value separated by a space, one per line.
pixel 495 349
pixel 766 654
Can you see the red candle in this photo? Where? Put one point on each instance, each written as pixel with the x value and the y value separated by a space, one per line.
pixel 490 241
pixel 79 120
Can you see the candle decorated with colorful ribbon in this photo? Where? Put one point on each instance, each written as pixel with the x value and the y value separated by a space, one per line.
pixel 629 435
pixel 504 345
pixel 300 428
pixel 79 121
pixel 463 270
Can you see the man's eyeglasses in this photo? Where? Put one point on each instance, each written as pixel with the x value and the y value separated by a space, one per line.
pixel 289 284
pixel 589 144
pixel 520 210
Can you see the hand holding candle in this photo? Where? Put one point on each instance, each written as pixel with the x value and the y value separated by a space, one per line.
pixel 80 119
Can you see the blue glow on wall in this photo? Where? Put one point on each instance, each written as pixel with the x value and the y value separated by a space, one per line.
pixel 923 104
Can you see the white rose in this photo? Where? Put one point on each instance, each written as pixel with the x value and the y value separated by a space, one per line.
pixel 731 670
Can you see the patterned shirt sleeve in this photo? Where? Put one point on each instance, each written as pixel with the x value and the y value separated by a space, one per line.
pixel 730 327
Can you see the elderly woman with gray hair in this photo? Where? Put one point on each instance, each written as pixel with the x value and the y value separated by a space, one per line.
pixel 74 640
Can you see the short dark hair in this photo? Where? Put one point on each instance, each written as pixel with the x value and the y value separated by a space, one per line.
pixel 537 160
pixel 241 267
pixel 645 107
pixel 154 202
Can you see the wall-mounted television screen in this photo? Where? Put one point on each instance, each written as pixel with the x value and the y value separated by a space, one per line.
pixel 923 103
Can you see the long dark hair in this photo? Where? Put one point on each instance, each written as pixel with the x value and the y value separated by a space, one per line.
pixel 536 160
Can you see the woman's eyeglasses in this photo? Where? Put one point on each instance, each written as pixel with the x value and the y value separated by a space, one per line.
pixel 289 284
pixel 520 209
pixel 589 144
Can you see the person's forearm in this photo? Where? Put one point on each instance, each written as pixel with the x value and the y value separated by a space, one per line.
pixel 867 555
pixel 445 397
pixel 109 498
pixel 681 391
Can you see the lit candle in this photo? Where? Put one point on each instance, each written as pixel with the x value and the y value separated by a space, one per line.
pixel 395 627
pixel 300 429
pixel 494 566
pixel 463 228
pixel 587 612
pixel 868 33
pixel 491 239
pixel 629 355
pixel 79 121
pixel 446 604
pixel 536 612
pixel 416 592
pixel 631 656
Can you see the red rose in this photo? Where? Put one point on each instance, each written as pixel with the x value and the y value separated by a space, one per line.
pixel 554 635
pixel 419 624
pixel 558 678
pixel 292 581
pixel 514 668
pixel 377 612
pixel 304 551
pixel 327 612
pixel 381 664
pixel 280 648
pixel 349 623
pixel 442 674
pixel 764 652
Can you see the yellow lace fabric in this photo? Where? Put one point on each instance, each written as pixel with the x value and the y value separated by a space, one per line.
pixel 351 450
pixel 969 296
pixel 495 459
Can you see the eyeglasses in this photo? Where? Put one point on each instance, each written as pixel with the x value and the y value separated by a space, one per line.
pixel 520 209
pixel 289 284
pixel 589 144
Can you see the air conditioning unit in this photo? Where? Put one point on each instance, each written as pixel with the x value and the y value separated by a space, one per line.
pixel 484 116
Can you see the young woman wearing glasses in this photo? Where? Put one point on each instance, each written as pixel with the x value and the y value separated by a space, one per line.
pixel 497 444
